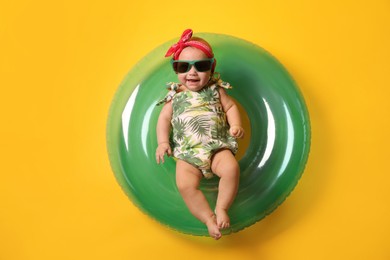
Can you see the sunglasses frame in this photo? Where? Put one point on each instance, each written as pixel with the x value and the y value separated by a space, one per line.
pixel 192 63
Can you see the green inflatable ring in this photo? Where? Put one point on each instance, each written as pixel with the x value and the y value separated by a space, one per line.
pixel 271 165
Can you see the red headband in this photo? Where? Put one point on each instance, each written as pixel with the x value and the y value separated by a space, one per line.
pixel 185 42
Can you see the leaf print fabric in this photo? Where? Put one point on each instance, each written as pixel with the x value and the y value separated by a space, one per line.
pixel 199 127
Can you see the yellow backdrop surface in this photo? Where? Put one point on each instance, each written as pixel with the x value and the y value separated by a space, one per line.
pixel 61 63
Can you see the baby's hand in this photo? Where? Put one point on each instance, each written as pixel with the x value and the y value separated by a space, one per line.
pixel 237 131
pixel 162 149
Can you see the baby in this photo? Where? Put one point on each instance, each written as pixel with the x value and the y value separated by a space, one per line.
pixel 205 123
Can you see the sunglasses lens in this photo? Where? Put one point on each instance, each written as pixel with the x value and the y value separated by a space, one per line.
pixel 181 67
pixel 184 66
pixel 203 65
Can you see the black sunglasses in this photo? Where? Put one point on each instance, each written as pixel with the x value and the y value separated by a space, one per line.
pixel 183 66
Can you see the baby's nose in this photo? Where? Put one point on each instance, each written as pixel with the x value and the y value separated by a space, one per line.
pixel 192 69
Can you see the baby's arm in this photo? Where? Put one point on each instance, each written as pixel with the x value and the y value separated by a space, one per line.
pixel 163 130
pixel 232 114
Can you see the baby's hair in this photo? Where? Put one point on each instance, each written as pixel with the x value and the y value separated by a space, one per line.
pixel 203 41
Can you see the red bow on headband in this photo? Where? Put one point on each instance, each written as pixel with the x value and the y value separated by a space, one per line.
pixel 185 42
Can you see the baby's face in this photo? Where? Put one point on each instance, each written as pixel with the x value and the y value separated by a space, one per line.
pixel 193 79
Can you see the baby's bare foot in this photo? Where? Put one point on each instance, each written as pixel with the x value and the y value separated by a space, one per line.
pixel 213 228
pixel 223 220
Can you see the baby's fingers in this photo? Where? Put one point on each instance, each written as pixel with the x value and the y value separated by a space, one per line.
pixel 240 133
pixel 237 132
pixel 159 158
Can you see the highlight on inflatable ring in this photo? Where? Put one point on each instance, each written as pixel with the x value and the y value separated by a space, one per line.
pixel 271 164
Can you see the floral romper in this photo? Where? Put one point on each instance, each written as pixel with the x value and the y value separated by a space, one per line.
pixel 199 125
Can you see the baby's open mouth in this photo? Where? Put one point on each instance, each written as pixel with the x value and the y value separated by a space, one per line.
pixel 192 80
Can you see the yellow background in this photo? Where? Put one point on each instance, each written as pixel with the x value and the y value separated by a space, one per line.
pixel 61 63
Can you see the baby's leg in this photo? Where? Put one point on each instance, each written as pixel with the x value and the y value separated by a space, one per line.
pixel 187 180
pixel 225 165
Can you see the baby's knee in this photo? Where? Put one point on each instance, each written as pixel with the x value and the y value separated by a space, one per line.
pixel 185 187
pixel 228 168
pixel 232 170
pixel 187 181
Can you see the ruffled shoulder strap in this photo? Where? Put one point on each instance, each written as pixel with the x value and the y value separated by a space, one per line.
pixel 173 87
pixel 223 84
pixel 218 82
